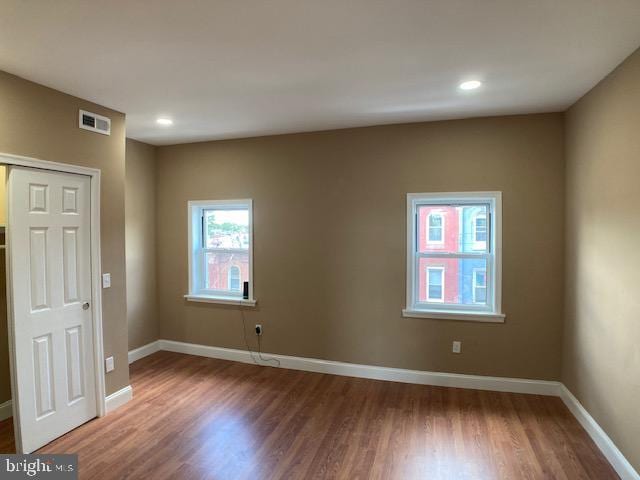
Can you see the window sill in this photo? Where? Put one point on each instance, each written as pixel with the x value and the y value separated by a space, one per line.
pixel 221 300
pixel 463 316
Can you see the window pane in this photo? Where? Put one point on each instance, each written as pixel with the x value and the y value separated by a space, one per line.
pixel 453 281
pixel 226 228
pixel 452 228
pixel 226 271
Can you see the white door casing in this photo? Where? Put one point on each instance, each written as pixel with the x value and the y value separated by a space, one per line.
pixel 50 268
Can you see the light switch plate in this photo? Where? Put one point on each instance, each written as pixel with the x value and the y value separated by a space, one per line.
pixel 106 280
pixel 457 347
pixel 109 364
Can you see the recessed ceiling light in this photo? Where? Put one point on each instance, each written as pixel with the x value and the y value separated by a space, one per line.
pixel 164 121
pixel 470 85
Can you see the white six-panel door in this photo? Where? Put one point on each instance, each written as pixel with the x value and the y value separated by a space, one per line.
pixel 50 270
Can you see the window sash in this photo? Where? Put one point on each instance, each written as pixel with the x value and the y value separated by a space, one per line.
pixel 202 260
pixel 220 208
pixel 442 305
pixel 202 272
pixel 486 244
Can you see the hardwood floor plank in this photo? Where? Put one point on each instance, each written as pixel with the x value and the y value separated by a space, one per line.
pixel 201 418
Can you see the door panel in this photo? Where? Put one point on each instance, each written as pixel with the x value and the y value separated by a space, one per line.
pixel 38 198
pixel 74 363
pixel 50 265
pixel 70 261
pixel 43 375
pixel 38 261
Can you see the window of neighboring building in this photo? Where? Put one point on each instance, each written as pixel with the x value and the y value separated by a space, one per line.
pixel 469 253
pixel 221 250
pixel 480 228
pixel 435 228
pixel 234 279
pixel 479 286
pixel 435 284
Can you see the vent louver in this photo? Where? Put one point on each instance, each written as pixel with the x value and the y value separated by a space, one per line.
pixel 94 122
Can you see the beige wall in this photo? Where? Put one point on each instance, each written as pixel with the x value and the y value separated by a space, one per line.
pixel 39 122
pixel 601 351
pixel 330 241
pixel 140 212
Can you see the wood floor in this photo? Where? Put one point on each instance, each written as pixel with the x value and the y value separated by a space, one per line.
pixel 194 417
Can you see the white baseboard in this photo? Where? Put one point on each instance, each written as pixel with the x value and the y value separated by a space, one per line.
pixel 500 384
pixel 119 398
pixel 112 401
pixel 143 351
pixel 6 410
pixel 455 380
pixel 620 464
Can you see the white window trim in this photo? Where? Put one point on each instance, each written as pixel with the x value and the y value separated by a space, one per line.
pixel 441 298
pixel 474 283
pixel 194 213
pixel 428 227
pixel 494 314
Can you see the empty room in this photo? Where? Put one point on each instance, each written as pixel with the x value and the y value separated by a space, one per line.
pixel 296 239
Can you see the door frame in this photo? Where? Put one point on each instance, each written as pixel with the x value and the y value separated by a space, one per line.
pixel 96 285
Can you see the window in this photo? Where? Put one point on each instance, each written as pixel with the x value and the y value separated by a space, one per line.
pixel 220 251
pixel 435 228
pixel 480 228
pixel 479 286
pixel 234 279
pixel 435 284
pixel 453 256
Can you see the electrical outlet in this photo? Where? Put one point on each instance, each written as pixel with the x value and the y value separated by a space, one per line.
pixel 106 280
pixel 258 329
pixel 457 347
pixel 109 365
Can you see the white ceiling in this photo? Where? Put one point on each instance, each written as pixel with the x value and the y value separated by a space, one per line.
pixel 238 68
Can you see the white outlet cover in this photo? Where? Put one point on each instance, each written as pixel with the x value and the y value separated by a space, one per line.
pixel 457 347
pixel 106 280
pixel 109 365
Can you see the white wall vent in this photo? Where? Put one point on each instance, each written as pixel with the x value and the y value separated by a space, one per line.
pixel 94 122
